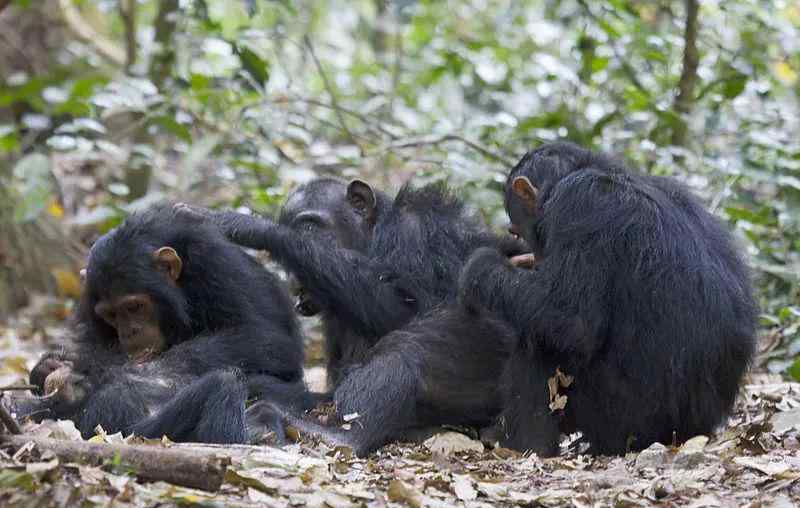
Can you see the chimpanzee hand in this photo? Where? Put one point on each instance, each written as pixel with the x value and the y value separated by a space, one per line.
pixel 197 213
pixel 66 388
pixel 262 419
pixel 49 363
pixel 480 275
pixel 523 261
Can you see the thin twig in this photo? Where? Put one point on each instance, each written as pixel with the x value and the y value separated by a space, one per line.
pixel 9 421
pixel 427 141
pixel 721 194
pixel 626 67
pixel 350 112
pixel 331 92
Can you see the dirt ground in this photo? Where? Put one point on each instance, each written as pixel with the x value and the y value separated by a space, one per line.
pixel 753 461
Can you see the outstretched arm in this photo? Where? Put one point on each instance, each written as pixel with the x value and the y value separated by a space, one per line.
pixel 365 292
pixel 554 305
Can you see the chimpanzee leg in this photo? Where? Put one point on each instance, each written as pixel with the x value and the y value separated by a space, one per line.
pixel 527 423
pixel 288 394
pixel 378 400
pixel 442 369
pixel 210 410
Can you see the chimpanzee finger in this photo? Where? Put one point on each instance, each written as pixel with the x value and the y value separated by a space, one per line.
pixel 192 212
pixel 523 261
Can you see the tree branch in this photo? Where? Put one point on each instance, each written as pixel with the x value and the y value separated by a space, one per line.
pixel 331 91
pixel 200 471
pixel 127 11
pixel 427 141
pixel 83 31
pixel 164 54
pixel 691 58
pixel 626 67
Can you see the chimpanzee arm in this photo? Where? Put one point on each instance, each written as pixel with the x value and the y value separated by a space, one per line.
pixel 263 349
pixel 557 305
pixel 362 291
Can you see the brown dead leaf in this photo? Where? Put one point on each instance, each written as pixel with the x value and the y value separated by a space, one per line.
pixel 780 469
pixel 400 492
pixel 463 488
pixel 447 443
pixel 67 282
pixel 559 380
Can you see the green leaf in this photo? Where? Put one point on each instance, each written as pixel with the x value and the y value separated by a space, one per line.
pixel 9 139
pixel 19 479
pixel 253 64
pixel 36 187
pixel 794 370
pixel 230 15
pixel 732 87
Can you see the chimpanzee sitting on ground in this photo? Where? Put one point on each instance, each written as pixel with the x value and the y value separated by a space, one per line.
pixel 637 292
pixel 401 354
pixel 175 328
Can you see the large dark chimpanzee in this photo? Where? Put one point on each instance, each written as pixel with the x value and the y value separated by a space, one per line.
pixel 401 354
pixel 176 328
pixel 636 291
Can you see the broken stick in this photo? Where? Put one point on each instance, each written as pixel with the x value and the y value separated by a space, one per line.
pixel 9 421
pixel 152 463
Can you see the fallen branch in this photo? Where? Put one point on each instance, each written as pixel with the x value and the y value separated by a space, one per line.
pixel 17 388
pixel 9 421
pixel 152 463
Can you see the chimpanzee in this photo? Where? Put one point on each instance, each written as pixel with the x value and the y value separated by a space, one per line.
pixel 401 353
pixel 637 292
pixel 176 328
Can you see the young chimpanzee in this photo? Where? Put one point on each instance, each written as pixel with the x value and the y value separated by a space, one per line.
pixel 637 292
pixel 175 329
pixel 402 354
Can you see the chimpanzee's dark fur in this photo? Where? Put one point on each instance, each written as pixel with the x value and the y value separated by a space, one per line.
pixel 638 292
pixel 230 329
pixel 402 354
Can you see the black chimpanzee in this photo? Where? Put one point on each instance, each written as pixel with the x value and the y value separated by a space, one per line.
pixel 175 329
pixel 401 354
pixel 636 291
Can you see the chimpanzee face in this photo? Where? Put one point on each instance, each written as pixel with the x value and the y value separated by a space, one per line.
pixel 134 313
pixel 332 211
pixel 522 208
pixel 135 319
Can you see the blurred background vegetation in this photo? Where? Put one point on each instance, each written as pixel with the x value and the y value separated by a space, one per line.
pixel 109 105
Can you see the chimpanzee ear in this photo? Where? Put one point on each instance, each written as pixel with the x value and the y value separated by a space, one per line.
pixel 525 191
pixel 361 196
pixel 168 261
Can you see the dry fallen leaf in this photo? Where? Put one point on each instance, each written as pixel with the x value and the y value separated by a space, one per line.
pixel 447 443
pixel 401 492
pixel 463 489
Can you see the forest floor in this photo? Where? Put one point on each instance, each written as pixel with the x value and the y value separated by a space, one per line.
pixel 753 461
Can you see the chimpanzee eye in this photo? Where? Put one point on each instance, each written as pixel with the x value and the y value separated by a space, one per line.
pixel 135 307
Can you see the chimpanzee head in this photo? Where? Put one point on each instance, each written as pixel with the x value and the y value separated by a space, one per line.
pixel 530 182
pixel 334 211
pixel 133 298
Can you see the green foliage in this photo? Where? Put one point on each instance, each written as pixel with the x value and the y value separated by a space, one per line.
pixel 442 90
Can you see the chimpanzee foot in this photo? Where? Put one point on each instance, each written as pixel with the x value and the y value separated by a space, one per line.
pixel 264 422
